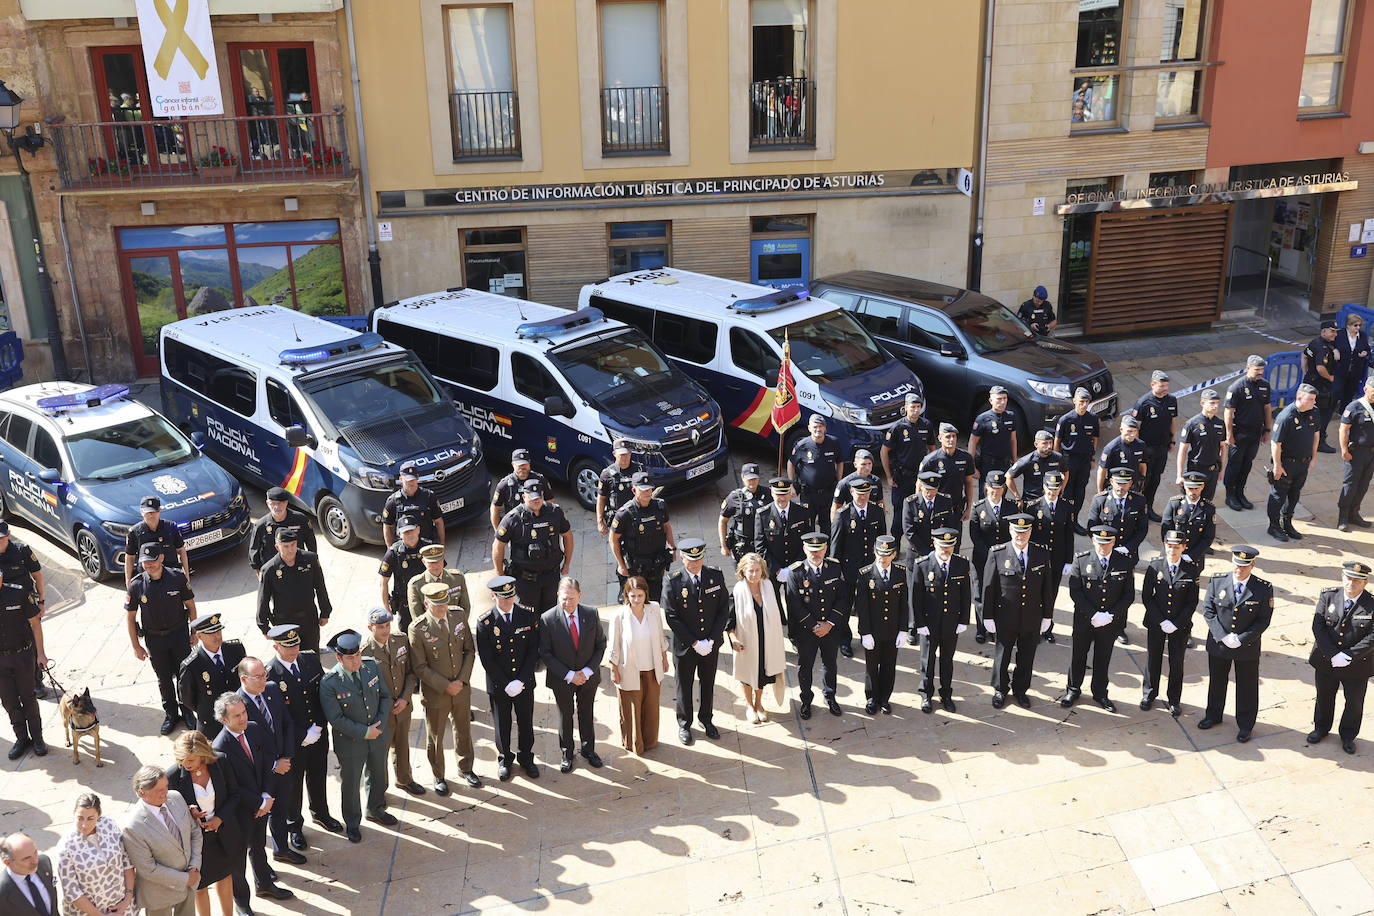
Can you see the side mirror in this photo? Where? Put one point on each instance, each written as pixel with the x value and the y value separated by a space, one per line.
pixel 555 406
pixel 50 476
pixel 952 350
pixel 296 436
pixel 198 440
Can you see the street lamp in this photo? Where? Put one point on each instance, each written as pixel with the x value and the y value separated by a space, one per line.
pixel 30 142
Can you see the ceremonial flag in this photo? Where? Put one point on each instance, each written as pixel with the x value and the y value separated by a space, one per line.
pixel 786 410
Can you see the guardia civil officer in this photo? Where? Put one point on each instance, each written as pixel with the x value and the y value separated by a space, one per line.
pixel 696 607
pixel 1292 451
pixel 1053 531
pixel 1200 445
pixel 1342 653
pixel 401 563
pixel 1157 413
pixel 854 531
pixel 211 669
pixel 816 601
pixel 1032 467
pixel 357 704
pixel 738 513
pixel 1124 510
pixel 926 511
pixel 882 604
pixel 20 570
pixel 778 529
pixel 955 467
pixel 1017 604
pixel 154 529
pixel 941 594
pixel 814 467
pixel 1102 587
pixel 507 494
pixel 992 441
pixel 863 470
pixel 1075 437
pixel 615 487
pixel 1238 607
pixel 442 653
pixel 21 651
pixel 262 541
pixel 1169 594
pixel 908 441
pixel 435 571
pixel 508 645
pixel 1038 313
pixel 1248 413
pixel 1193 516
pixel 1125 451
pixel 988 526
pixel 641 537
pixel 298 674
pixel 541 547
pixel 160 606
pixel 1320 360
pixel 292 590
pixel 413 500
pixel 1357 449
pixel 391 652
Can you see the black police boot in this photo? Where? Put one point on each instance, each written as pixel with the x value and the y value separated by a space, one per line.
pixel 1233 503
pixel 1276 532
pixel 1245 503
pixel 1326 448
pixel 1288 529
pixel 1355 519
pixel 847 649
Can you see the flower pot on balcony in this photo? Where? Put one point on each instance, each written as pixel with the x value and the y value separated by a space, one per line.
pixel 217 173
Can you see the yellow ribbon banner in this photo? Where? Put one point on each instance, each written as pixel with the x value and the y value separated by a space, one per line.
pixel 176 39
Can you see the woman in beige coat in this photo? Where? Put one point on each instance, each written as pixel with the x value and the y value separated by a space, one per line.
pixel 639 660
pixel 757 637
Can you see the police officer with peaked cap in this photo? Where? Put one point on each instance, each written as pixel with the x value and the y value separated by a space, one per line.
pixel 816 601
pixel 1053 530
pixel 211 669
pixel 508 645
pixel 160 606
pixel 1342 653
pixel 541 545
pixel 925 511
pixel 854 532
pixel 292 590
pixel 1248 413
pixel 778 529
pixel 988 526
pixel 1102 587
pixel 298 673
pixel 696 607
pixel 739 512
pixel 1193 516
pixel 1169 595
pixel 262 540
pixel 941 595
pixel 1017 605
pixel 1238 608
pixel 1124 510
pixel 882 608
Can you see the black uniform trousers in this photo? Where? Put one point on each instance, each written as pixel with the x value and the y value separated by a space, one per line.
pixel 904 487
pixel 503 707
pixel 569 696
pixel 828 647
pixel 1285 492
pixel 1247 689
pixel 1355 480
pixel 1099 641
pixel 1023 646
pixel 1056 577
pixel 166 653
pixel 817 502
pixel 880 670
pixel 937 651
pixel 1156 641
pixel 637 566
pixel 16 693
pixel 309 767
pixel 1326 408
pixel 1325 712
pixel 535 590
pixel 1156 457
pixel 1080 469
pixel 976 564
pixel 703 668
pixel 1239 458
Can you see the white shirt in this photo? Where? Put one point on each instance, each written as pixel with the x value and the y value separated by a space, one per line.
pixel 641 644
pixel 205 798
pixel 22 882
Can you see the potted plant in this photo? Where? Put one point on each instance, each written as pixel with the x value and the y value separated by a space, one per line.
pixel 218 165
pixel 108 171
pixel 325 158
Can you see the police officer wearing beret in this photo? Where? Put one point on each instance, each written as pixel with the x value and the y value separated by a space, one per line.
pixel 541 547
pixel 1032 467
pixel 414 500
pixel 154 529
pixel 925 511
pixel 1357 449
pixel 508 645
pixel 739 512
pixel 1102 587
pixel 1053 530
pixel 992 441
pixel 1125 451
pixel 941 593
pixel 778 529
pixel 262 540
pixel 1200 445
pixel 988 526
pixel 1343 653
pixel 642 537
pixel 1038 313
pixel 508 493
pixel 1017 605
pixel 357 705
pixel 696 607
pixel 20 570
pixel 1292 452
pixel 1238 607
pixel 816 600
pixel 955 467
pixel 442 652
pixel 1169 595
pixel 854 531
pixel 1248 413
pixel 400 564
pixel 1075 437
pixel 391 652
pixel 863 470
pixel 1193 516
pixel 297 673
pixel 908 441
pixel 21 651
pixel 1157 413
pixel 882 604
pixel 1320 364
pixel 814 467
pixel 210 670
pixel 432 555
pixel 159 607
pixel 292 590
pixel 615 487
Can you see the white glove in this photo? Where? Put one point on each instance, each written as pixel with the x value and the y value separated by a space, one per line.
pixel 990 625
pixel 1122 550
pixel 1188 558
pixel 1340 660
pixel 311 736
pixel 514 688
pixel 868 641
pixel 1067 567
pixel 925 631
pixel 1231 640
pixel 1044 624
pixel 1101 619
pixel 1168 626
pixel 902 639
pixel 957 630
pixel 703 646
pixel 782 574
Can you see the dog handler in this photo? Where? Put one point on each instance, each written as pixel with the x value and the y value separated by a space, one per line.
pixel 21 648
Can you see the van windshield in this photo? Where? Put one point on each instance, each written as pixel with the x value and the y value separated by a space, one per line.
pixel 830 346
pixel 617 369
pixel 371 393
pixel 129 448
pixel 993 328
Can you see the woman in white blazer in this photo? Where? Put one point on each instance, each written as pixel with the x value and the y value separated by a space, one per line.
pixel 639 660
pixel 757 637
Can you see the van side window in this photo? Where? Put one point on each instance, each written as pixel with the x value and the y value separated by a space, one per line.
pixel 423 343
pixel 470 364
pixel 235 388
pixel 45 450
pixel 17 432
pixel 217 379
pixel 533 380
pixel 281 407
pixel 753 355
pixel 686 338
pixel 633 315
pixel 883 319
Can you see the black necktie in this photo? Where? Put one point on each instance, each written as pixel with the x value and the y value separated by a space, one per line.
pixel 944 571
pixel 1349 604
pixel 1104 563
pixel 1173 570
pixel 39 902
pixel 294 672
pixel 219 662
pixel 696 584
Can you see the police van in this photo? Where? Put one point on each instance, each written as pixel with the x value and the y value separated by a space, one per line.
pixel 729 336
pixel 330 414
pixel 562 384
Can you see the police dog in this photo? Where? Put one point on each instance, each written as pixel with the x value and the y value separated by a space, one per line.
pixel 78 719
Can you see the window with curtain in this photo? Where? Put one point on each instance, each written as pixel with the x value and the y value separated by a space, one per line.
pixel 481 62
pixel 633 95
pixel 781 33
pixel 1179 90
pixel 1324 58
pixel 781 91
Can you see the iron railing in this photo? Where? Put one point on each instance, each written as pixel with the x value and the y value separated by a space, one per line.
pixel 486 125
pixel 1268 269
pixel 201 151
pixel 634 119
pixel 782 112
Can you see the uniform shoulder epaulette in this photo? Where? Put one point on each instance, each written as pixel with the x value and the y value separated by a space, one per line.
pixel 866 569
pixel 832 560
pixel 796 565
pixel 901 566
pixel 1082 553
pixel 231 642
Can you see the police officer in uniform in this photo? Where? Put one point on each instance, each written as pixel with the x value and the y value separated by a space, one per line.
pixel 292 588
pixel 211 669
pixel 20 569
pixel 400 564
pixel 1157 413
pixel 298 675
pixel 816 601
pixel 955 467
pixel 1037 312
pixel 1237 608
pixel 415 500
pixel 1053 530
pixel 507 493
pixel 1357 450
pixel 1193 516
pixel 908 441
pixel 1292 450
pixel 853 533
pixel 1032 467
pixel 1125 451
pixel 987 527
pixel 160 606
pixel 391 652
pixel 1320 363
pixel 738 513
pixel 1248 413
pixel 814 467
pixel 1169 595
pixel 1017 604
pixel 642 537
pixel 262 541
pixel 882 604
pixel 442 653
pixel 357 704
pixel 696 607
pixel 992 441
pixel 616 486
pixel 508 645
pixel 432 555
pixel 1342 653
pixel 778 529
pixel 541 546
pixel 1075 437
pixel 1102 587
pixel 925 511
pixel 21 651
pixel 940 598
pixel 154 529
pixel 863 470
pixel 1199 445
pixel 1123 509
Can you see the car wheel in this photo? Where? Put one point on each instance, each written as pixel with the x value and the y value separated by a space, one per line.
pixel 89 553
pixel 334 522
pixel 586 481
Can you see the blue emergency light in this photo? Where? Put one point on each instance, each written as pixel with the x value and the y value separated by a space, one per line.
pixel 769 302
pixel 302 356
pixel 94 397
pixel 558 325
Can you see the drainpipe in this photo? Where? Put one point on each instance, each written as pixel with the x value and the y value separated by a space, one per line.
pixel 975 261
pixel 374 257
pixel 71 283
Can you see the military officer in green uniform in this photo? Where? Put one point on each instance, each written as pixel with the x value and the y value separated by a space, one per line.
pixel 442 653
pixel 391 652
pixel 357 705
pixel 435 571
pixel 1343 652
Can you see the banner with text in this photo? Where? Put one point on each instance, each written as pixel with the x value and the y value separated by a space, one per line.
pixel 179 55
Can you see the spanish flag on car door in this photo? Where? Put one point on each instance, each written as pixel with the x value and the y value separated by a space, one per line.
pixel 786 410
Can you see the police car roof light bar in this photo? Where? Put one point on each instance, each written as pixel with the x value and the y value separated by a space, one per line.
pixel 558 325
pixel 301 356
pixel 92 398
pixel 770 301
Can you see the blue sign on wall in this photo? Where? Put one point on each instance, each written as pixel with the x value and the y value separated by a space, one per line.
pixel 780 262
pixel 1359 251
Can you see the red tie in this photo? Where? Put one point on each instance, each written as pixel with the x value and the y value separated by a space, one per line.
pixel 572 624
pixel 243 740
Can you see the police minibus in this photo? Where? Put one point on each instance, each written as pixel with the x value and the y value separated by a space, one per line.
pixel 729 336
pixel 330 414
pixel 564 385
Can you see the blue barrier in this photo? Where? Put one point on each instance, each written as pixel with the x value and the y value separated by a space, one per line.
pixel 1284 372
pixel 11 359
pixel 352 322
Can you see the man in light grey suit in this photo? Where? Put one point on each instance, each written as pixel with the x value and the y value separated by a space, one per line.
pixel 163 842
pixel 26 885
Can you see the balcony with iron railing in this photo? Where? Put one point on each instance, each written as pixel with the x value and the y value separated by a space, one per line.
pixel 782 113
pixel 201 151
pixel 634 120
pixel 486 125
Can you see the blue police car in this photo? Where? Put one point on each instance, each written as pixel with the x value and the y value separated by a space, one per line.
pixel 77 460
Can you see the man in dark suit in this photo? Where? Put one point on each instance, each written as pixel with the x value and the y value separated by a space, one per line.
pixel 210 670
pixel 297 673
pixel 1353 346
pixel 1238 608
pixel 1017 604
pixel 572 642
pixel 247 749
pixel 1169 594
pixel 882 606
pixel 988 527
pixel 508 645
pixel 1343 653
pixel 696 607
pixel 941 594
pixel 778 528
pixel 1102 587
pixel 853 531
pixel 267 707
pixel 1053 530
pixel 26 884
